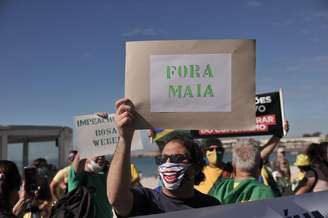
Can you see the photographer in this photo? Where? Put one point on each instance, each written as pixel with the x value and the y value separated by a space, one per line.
pixel 37 188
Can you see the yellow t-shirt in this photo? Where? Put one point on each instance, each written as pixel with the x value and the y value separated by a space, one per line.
pixel 134 174
pixel 211 175
pixel 62 175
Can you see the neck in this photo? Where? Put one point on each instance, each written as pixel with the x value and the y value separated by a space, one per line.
pixel 241 175
pixel 182 192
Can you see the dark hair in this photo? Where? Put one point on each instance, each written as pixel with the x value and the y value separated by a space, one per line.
pixel 71 155
pixel 317 152
pixel 40 162
pixel 195 154
pixel 10 180
pixel 207 142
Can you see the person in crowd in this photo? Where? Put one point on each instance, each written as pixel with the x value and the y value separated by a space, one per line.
pixel 307 177
pixel 10 182
pixel 246 162
pixel 40 202
pixel 135 177
pixel 92 173
pixel 318 154
pixel 58 185
pixel 267 174
pixel 180 170
pixel 216 169
pixel 281 169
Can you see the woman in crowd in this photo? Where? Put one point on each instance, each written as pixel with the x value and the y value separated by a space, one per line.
pixel 318 154
pixel 10 182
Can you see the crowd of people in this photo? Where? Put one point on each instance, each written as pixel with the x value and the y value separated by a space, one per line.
pixel 192 174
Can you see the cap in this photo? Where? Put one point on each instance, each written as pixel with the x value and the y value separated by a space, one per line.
pixel 302 160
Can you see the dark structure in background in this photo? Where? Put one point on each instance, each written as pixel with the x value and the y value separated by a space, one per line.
pixel 60 136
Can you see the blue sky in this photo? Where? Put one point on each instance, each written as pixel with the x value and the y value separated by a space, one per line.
pixel 63 58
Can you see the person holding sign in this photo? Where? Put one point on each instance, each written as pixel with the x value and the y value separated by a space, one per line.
pixel 91 173
pixel 180 169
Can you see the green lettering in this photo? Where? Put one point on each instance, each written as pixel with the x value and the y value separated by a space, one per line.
pixel 197 71
pixel 198 88
pixel 170 71
pixel 185 71
pixel 188 92
pixel 208 91
pixel 208 71
pixel 175 90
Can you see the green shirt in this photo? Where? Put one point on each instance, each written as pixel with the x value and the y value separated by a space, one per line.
pixel 97 182
pixel 233 191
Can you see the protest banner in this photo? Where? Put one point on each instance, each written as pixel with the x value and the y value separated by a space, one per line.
pixel 96 136
pixel 192 84
pixel 269 119
pixel 310 205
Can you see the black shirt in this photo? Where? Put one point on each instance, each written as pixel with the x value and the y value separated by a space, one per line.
pixel 147 201
pixel 4 214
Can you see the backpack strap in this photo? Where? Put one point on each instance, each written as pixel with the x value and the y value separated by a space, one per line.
pixel 316 176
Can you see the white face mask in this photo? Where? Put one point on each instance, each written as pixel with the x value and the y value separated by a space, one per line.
pixel 94 167
pixel 172 174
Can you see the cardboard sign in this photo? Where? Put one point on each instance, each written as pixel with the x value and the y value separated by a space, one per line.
pixel 96 136
pixel 269 119
pixel 192 84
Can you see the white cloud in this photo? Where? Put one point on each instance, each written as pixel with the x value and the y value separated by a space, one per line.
pixel 144 32
pixel 254 3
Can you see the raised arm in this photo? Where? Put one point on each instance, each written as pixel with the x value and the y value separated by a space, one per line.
pixel 269 147
pixel 118 179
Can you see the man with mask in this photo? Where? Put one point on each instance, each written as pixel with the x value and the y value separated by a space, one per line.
pixel 92 173
pixel 180 169
pixel 216 168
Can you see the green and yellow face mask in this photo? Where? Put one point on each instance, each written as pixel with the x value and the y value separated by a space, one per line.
pixel 214 155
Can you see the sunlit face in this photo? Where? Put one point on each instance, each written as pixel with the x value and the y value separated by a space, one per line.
pixel 175 152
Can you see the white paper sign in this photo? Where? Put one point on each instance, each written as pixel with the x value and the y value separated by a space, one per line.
pixel 96 136
pixel 190 83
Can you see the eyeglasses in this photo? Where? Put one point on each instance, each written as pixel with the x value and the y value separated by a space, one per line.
pixel 174 158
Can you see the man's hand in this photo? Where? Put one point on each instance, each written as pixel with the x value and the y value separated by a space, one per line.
pixel 124 118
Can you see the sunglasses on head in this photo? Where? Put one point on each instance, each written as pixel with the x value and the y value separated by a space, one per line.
pixel 174 158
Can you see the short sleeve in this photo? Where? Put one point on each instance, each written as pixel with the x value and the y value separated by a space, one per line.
pixel 61 175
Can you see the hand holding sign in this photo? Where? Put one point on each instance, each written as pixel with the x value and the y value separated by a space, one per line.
pixel 124 117
pixel 97 134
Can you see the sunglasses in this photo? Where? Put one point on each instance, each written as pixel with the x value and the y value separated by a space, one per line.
pixel 174 158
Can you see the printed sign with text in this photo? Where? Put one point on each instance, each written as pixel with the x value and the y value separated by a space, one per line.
pixel 97 136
